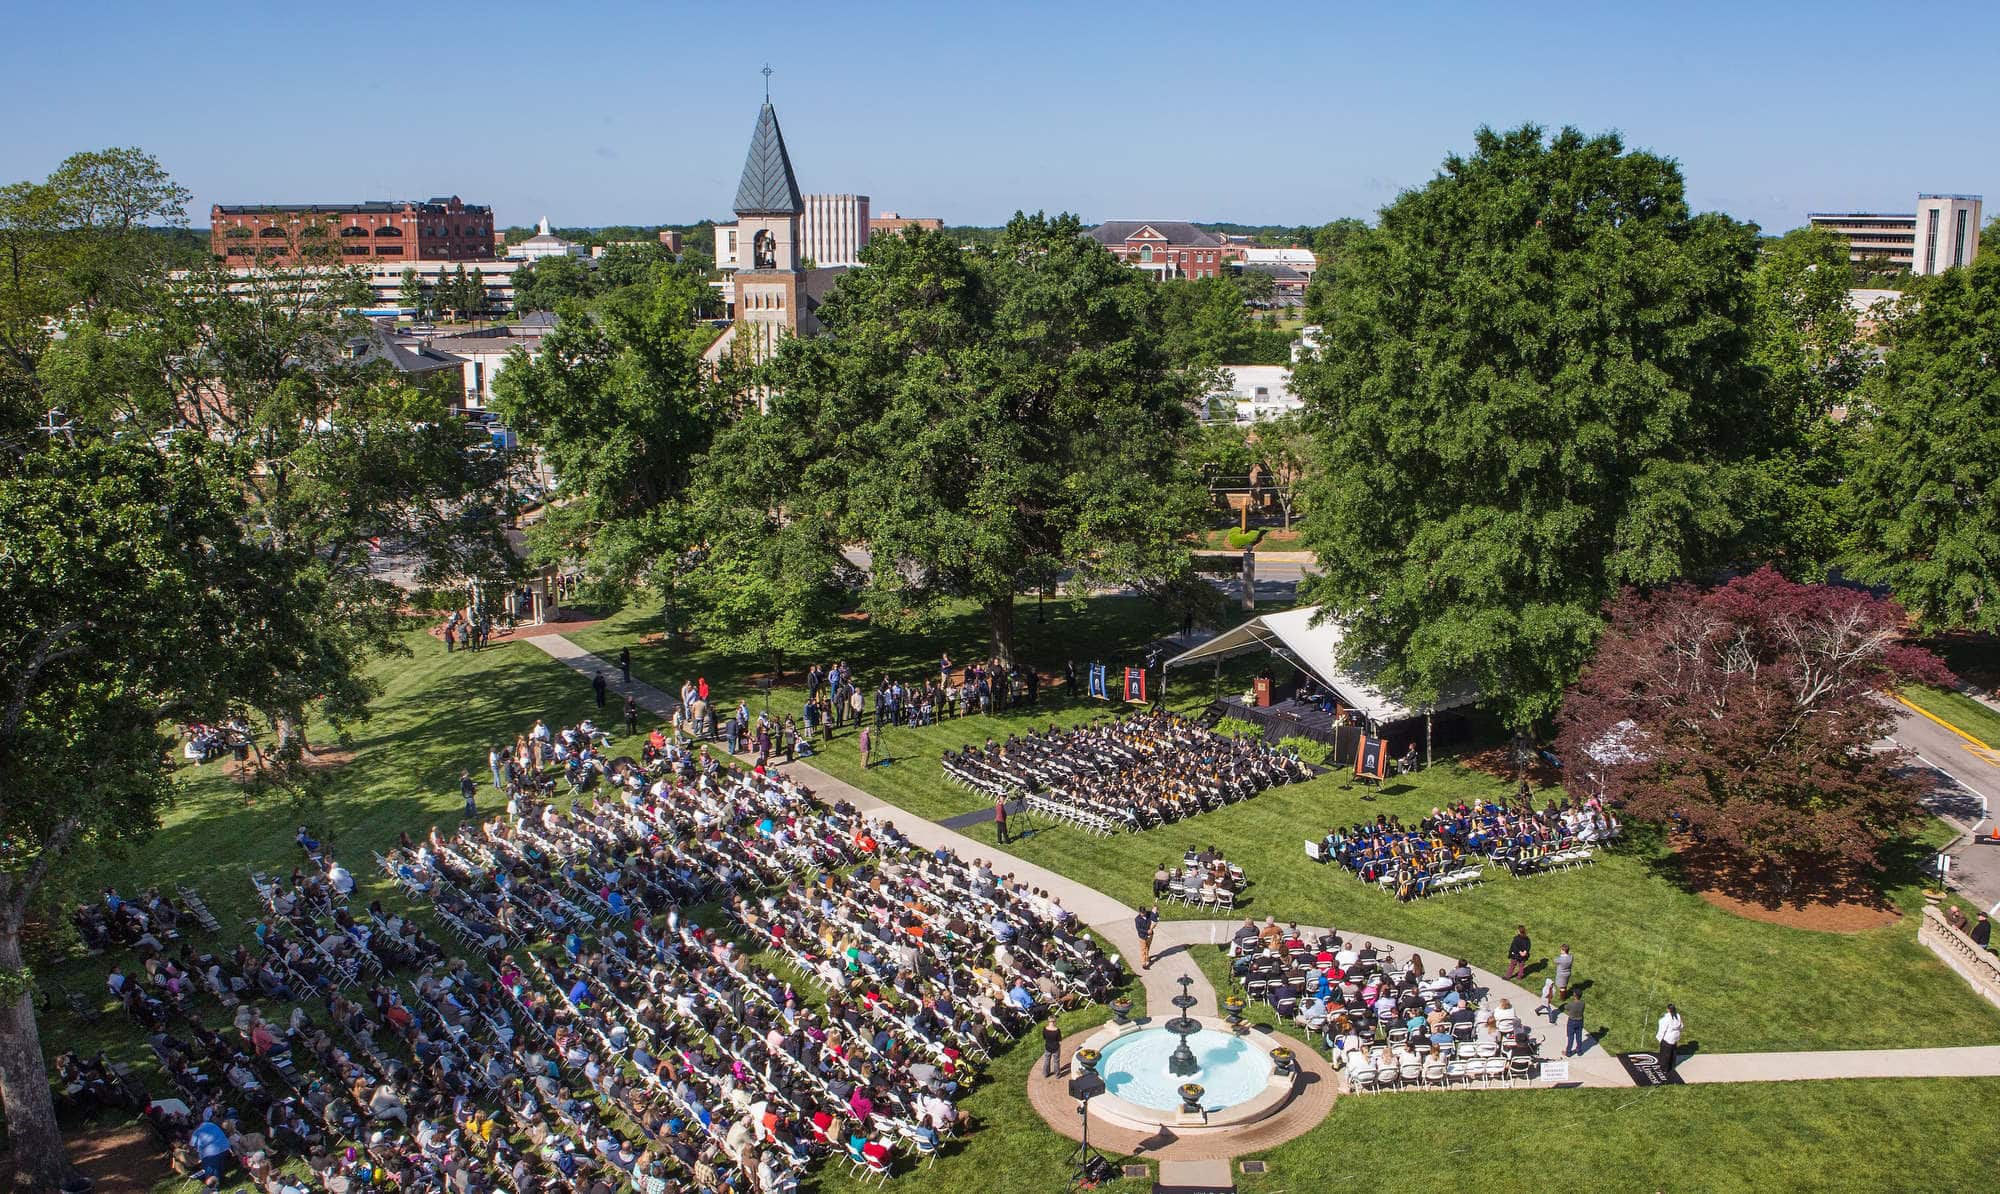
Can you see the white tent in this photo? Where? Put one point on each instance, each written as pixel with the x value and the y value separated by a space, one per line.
pixel 1315 649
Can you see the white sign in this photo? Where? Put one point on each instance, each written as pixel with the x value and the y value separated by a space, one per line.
pixel 1555 1071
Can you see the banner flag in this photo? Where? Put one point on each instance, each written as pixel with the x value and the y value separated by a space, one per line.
pixel 1097 688
pixel 1372 759
pixel 1135 684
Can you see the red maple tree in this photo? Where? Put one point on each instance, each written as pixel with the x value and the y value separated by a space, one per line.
pixel 1748 715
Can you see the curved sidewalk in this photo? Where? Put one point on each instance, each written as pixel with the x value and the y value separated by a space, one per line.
pixel 1174 939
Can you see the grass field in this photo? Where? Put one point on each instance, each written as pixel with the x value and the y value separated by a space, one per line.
pixel 1974 717
pixel 1639 939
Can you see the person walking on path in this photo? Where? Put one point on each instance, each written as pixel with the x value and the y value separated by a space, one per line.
pixel 1551 1005
pixel 1143 924
pixel 1518 953
pixel 1670 1037
pixel 631 714
pixel 1573 1028
pixel 1051 1047
pixel 625 663
pixel 1000 819
pixel 470 791
pixel 597 686
pixel 867 740
pixel 1564 964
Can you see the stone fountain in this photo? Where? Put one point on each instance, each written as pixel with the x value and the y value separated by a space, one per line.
pixel 1183 1063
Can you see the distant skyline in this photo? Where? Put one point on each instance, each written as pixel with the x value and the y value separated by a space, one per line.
pixel 632 113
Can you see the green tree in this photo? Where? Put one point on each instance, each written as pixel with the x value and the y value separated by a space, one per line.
pixel 411 294
pixel 1807 346
pixel 545 284
pixel 80 244
pixel 977 420
pixel 620 407
pixel 630 264
pixel 1204 322
pixel 475 292
pixel 138 596
pixel 1533 389
pixel 1924 491
pixel 1258 288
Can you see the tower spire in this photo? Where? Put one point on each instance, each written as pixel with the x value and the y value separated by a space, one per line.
pixel 768 187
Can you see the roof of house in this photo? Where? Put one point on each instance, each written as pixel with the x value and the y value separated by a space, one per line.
pixel 372 206
pixel 1279 271
pixel 768 187
pixel 405 356
pixel 1177 232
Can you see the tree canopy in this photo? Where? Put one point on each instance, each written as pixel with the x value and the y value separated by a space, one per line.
pixel 1533 389
pixel 979 420
pixel 1924 491
pixel 1747 714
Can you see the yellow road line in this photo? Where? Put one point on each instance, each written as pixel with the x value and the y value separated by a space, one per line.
pixel 1972 744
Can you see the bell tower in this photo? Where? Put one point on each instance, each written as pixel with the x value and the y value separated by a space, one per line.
pixel 770 286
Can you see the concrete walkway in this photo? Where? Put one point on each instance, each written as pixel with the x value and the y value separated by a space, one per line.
pixel 1173 956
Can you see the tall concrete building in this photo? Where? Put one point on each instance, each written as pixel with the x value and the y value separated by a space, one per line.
pixel 1947 232
pixel 1941 233
pixel 836 226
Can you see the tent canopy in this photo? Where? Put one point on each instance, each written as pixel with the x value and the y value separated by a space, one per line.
pixel 1315 649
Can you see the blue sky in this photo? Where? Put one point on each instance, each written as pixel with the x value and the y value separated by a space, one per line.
pixel 598 113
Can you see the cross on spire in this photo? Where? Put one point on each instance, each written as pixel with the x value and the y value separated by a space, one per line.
pixel 767 82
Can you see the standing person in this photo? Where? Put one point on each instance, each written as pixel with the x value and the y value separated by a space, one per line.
pixel 867 740
pixel 1670 1037
pixel 1000 819
pixel 1051 1046
pixel 1551 998
pixel 1573 1023
pixel 1564 964
pixel 701 687
pixel 625 663
pixel 470 791
pixel 1069 677
pixel 597 686
pixel 631 714
pixel 1518 952
pixel 450 636
pixel 494 759
pixel 854 702
pixel 1143 925
pixel 1982 932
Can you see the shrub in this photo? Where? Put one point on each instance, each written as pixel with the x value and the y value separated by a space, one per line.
pixel 1316 753
pixel 1240 539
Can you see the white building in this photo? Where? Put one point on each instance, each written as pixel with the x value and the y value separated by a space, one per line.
pixel 485 353
pixel 832 229
pixel 1257 393
pixel 1301 260
pixel 546 244
pixel 386 278
pixel 1947 232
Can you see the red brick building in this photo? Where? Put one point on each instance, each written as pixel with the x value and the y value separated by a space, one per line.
pixel 434 230
pixel 1168 248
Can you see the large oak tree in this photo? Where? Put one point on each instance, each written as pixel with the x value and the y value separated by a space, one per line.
pixel 1924 492
pixel 979 420
pixel 1532 389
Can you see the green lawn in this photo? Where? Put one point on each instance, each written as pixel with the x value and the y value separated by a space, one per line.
pixel 1974 717
pixel 1874 1136
pixel 1639 939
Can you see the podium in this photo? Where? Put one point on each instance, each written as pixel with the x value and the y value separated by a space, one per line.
pixel 1263 692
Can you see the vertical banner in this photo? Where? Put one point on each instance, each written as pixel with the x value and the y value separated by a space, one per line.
pixel 1135 684
pixel 1097 688
pixel 1372 759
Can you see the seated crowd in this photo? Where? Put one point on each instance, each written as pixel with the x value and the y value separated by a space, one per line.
pixel 1134 773
pixel 1204 878
pixel 1378 1015
pixel 1447 847
pixel 588 1037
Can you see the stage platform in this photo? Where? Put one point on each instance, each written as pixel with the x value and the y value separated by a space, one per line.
pixel 1293 719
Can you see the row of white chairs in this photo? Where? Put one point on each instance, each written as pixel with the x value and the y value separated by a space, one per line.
pixel 1365 1073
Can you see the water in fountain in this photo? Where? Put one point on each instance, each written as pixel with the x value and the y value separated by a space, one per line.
pixel 1137 1067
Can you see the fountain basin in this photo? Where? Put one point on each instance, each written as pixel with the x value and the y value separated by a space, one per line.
pixel 1240 1083
pixel 1233 1070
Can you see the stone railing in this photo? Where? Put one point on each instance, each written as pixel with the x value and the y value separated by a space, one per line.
pixel 1961 953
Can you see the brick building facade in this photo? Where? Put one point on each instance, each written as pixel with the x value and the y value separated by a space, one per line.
pixel 1167 248
pixel 442 229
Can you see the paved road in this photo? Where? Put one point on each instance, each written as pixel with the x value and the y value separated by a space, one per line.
pixel 1968 792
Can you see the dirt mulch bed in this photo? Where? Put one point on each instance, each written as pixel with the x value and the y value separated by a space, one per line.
pixel 1498 761
pixel 316 760
pixel 121 1159
pixel 1833 903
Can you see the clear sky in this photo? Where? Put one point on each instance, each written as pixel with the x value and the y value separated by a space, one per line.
pixel 631 112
